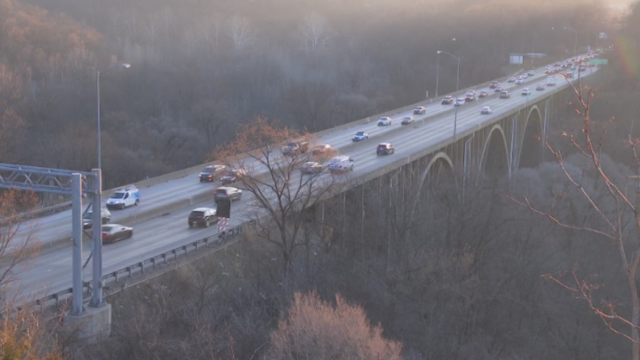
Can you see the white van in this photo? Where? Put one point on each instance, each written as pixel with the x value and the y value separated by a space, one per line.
pixel 127 196
pixel 341 164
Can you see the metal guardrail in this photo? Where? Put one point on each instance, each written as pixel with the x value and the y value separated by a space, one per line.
pixel 148 264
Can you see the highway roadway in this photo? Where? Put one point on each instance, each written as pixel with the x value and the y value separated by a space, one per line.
pixel 51 271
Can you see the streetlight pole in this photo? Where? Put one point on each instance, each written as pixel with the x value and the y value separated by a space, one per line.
pixel 96 233
pixel 124 65
pixel 455 119
pixel 575 43
pixel 437 72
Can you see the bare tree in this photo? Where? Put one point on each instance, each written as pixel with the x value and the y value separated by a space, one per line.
pixel 166 18
pixel 209 29
pixel 311 104
pixel 280 189
pixel 241 34
pixel 615 216
pixel 23 334
pixel 12 125
pixel 152 23
pixel 314 32
pixel 209 117
pixel 17 243
pixel 314 329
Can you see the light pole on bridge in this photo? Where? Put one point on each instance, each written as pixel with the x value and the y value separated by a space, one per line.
pixel 96 296
pixel 575 42
pixel 438 69
pixel 455 119
pixel 112 67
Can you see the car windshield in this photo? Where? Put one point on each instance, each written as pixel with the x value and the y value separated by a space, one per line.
pixel 118 195
pixel 360 133
pixel 197 213
pixel 88 215
pixel 107 229
pixel 207 170
pixel 221 192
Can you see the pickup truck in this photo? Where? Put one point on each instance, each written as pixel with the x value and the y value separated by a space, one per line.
pixel 295 147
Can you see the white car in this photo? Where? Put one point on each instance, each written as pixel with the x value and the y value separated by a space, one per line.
pixel 540 87
pixel 486 110
pixel 520 81
pixel 341 164
pixel 385 121
pixel 526 92
pixel 125 197
pixel 459 102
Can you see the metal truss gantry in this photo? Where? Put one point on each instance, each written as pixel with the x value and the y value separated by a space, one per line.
pixel 78 184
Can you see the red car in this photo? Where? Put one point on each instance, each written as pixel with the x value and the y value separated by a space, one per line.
pixel 419 110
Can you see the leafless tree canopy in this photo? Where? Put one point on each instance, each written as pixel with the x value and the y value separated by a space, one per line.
pixel 313 329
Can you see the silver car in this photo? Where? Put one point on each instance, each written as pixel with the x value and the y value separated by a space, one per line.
pixel 311 167
pixel 227 192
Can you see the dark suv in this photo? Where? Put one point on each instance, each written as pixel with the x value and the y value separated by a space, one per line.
pixel 211 173
pixel 87 218
pixel 232 176
pixel 202 217
pixel 385 149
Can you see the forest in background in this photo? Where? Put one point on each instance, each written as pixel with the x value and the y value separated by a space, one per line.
pixel 201 68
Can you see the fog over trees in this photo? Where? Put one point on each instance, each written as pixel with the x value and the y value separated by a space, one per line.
pixel 438 280
pixel 200 68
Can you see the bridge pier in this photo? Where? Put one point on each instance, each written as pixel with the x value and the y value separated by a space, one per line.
pixel 92 325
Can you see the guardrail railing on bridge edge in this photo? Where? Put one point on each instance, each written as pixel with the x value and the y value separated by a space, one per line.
pixel 222 240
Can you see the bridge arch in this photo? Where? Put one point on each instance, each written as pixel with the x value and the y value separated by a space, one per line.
pixel 532 146
pixel 439 163
pixel 495 154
